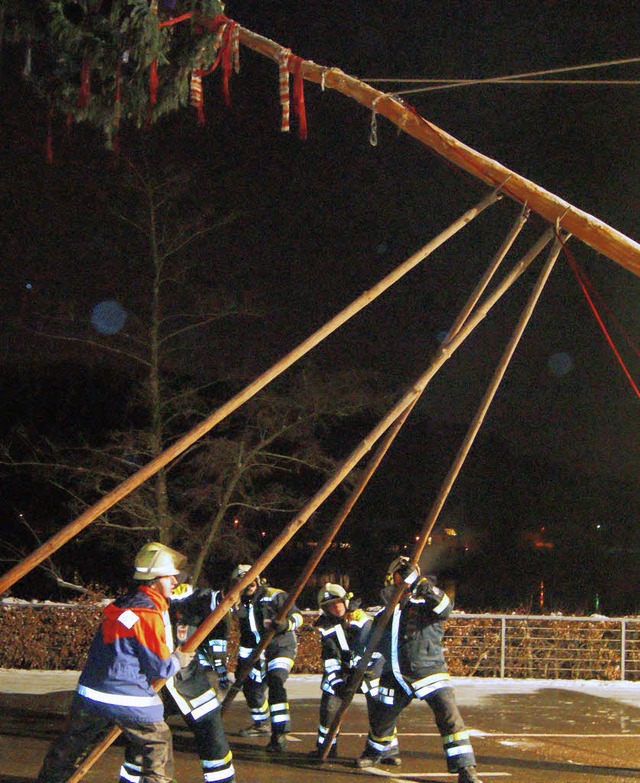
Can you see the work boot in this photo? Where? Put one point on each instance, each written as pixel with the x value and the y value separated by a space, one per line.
pixel 317 753
pixel 277 743
pixel 468 775
pixel 256 729
pixel 392 761
pixel 368 761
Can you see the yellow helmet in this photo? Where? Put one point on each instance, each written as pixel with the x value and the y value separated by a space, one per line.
pixel 329 593
pixel 155 560
pixel 396 565
pixel 239 571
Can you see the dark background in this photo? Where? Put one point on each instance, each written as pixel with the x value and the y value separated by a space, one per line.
pixel 322 220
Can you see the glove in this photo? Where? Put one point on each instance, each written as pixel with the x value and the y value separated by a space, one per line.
pixel 423 588
pixel 339 689
pixel 408 573
pixel 184 657
pixel 280 626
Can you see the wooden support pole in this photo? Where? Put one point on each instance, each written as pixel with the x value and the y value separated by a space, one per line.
pixel 177 448
pixel 384 617
pixel 589 229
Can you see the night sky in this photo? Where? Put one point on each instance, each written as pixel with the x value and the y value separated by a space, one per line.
pixel 322 220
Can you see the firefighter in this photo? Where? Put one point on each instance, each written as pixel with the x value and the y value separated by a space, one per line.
pixel 344 629
pixel 131 648
pixel 257 612
pixel 415 668
pixel 190 691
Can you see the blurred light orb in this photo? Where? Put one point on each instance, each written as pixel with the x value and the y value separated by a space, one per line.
pixel 108 317
pixel 560 363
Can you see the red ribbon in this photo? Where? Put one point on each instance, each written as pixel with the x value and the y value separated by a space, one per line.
pixel 227 64
pixel 298 95
pixel 49 142
pixel 153 89
pixel 85 84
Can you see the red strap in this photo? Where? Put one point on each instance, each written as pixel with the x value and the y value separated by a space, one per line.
pixel 583 282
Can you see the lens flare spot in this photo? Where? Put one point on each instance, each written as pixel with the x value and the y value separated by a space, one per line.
pixel 108 317
pixel 560 363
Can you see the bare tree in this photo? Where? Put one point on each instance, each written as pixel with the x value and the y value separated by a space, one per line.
pixel 258 464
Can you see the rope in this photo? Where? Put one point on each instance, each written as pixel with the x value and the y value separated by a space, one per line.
pixel 584 284
pixel 518 78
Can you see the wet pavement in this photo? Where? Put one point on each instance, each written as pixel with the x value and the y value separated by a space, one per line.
pixel 523 732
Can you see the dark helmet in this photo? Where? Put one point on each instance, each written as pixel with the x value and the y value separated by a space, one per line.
pixel 396 565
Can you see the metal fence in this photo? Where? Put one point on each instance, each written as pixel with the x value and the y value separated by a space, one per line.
pixel 545 647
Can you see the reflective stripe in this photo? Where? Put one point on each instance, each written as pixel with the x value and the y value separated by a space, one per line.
pixel 251 616
pixel 204 710
pixel 427 685
pixel 118 698
pixel 280 663
pixel 395 664
pixel 342 639
pixel 207 696
pixel 443 604
pixel 460 735
pixel 458 750
pixel 214 763
pixel 223 774
pixel 126 775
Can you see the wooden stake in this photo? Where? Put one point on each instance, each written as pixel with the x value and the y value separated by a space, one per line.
pixel 148 470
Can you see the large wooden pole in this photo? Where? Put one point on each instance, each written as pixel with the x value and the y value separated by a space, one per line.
pixel 177 448
pixel 384 617
pixel 589 229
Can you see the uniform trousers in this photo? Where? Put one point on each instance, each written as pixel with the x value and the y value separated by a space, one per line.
pixel 148 755
pixel 273 679
pixel 382 740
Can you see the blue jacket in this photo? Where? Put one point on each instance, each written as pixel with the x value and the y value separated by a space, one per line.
pixel 131 648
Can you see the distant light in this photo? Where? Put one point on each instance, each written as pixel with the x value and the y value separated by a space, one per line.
pixel 450 531
pixel 598 526
pixel 560 363
pixel 108 317
pixel 28 286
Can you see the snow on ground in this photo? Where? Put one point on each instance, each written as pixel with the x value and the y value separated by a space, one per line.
pixel 469 690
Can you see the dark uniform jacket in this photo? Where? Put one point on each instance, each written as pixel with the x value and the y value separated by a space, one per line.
pixel 412 641
pixel 191 688
pixel 255 614
pixel 343 640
